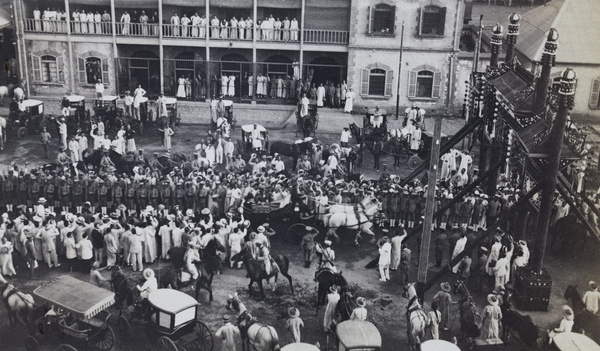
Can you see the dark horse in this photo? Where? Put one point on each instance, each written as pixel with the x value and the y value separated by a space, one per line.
pixel 529 334
pixel 326 279
pixel 290 149
pixel 172 277
pixel 256 270
pixel 123 287
pixel 585 321
pixel 347 303
pixel 468 312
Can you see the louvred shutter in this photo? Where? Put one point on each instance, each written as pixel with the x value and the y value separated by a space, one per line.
pixel 442 21
pixel 81 70
pixel 412 84
pixel 437 81
pixel 37 68
pixel 364 82
pixel 389 80
pixel 595 94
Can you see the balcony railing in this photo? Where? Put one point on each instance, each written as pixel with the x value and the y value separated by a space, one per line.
pixel 192 32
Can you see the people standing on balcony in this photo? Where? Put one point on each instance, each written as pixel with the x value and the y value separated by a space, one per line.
pixel 154 21
pixel 279 82
pixel 125 20
pixel 135 19
pixel 90 22
pixel 231 86
pixel 75 19
pixel 270 25
pixel 188 88
pixel 294 29
pixel 249 28
pixel 181 88
pixel 144 23
pixel 330 94
pixel 200 86
pixel 61 16
pixel 37 20
pixel 214 27
pixel 286 31
pixel 350 95
pixel 259 85
pixel 224 86
pixel 277 29
pixel 343 93
pixel 320 95
pixel 185 22
pixel 224 29
pixel 241 28
pixel 195 23
pixel 293 86
pixel 175 22
pixel 250 83
pixel 233 23
pixel 273 81
pixel 83 21
pixel 338 96
pixel 98 22
pixel 202 29
pixel 138 93
pixel 106 22
pixel 46 20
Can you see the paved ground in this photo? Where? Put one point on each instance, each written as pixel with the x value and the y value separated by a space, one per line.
pixel 385 304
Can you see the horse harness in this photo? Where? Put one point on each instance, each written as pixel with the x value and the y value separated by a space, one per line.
pixel 250 321
pixel 10 293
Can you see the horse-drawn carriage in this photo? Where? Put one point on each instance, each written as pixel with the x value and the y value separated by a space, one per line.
pixel 358 335
pixel 375 124
pixel 106 109
pixel 79 117
pixel 73 311
pixel 27 117
pixel 254 138
pixel 171 322
pixel 573 342
pixel 307 121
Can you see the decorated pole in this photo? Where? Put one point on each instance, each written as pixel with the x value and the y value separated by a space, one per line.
pixel 512 36
pixel 548 60
pixel 496 44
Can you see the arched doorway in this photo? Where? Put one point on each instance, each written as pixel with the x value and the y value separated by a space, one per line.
pixel 323 69
pixel 235 65
pixel 144 69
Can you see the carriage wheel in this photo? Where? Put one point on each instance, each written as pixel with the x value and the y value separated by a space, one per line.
pixel 31 344
pixel 22 133
pixel 403 158
pixel 65 347
pixel 105 340
pixel 295 233
pixel 166 344
pixel 141 127
pixel 414 162
pixel 204 338
pixel 124 327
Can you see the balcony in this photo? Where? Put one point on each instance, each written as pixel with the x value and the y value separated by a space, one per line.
pixel 151 30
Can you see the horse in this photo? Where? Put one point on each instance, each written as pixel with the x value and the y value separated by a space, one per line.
pixel 529 334
pixel 347 303
pixel 18 305
pixel 123 287
pixel 326 279
pixel 569 236
pixel 585 321
pixel 256 271
pixel 469 315
pixel 358 220
pixel 418 320
pixel 292 150
pixel 177 278
pixel 255 335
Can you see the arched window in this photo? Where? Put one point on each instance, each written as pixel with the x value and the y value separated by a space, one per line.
pixel 376 82
pixel 382 19
pixel 424 83
pixel 432 20
pixel 47 69
pixel 92 69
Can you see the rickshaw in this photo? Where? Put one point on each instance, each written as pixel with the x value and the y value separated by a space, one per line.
pixel 438 345
pixel 310 122
pixel 246 138
pixel 300 346
pixel 73 310
pixel 573 342
pixel 358 335
pixel 375 123
pixel 228 112
pixel 78 117
pixel 29 119
pixel 172 322
pixel 106 109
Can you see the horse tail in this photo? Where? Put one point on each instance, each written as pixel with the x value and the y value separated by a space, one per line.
pixel 326 219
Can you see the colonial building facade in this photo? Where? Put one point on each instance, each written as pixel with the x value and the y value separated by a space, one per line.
pixel 66 46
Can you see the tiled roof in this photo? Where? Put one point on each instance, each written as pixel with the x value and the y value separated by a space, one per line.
pixel 577 25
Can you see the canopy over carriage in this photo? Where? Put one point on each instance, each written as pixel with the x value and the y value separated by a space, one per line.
pixel 573 342
pixel 249 142
pixel 358 335
pixel 307 121
pixel 106 108
pixel 173 317
pixel 27 118
pixel 76 106
pixel 300 346
pixel 227 113
pixel 79 312
pixel 439 345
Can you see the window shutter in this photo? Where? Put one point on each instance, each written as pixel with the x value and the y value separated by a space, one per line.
pixel 370 15
pixel 392 19
pixel 419 20
pixel 105 72
pixel 437 81
pixel 364 82
pixel 60 67
pixel 595 95
pixel 37 68
pixel 412 84
pixel 442 21
pixel 81 69
pixel 389 82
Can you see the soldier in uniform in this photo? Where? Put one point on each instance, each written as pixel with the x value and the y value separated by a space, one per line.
pixel 49 191
pixel 154 195
pixel 64 194
pixel 166 193
pixel 118 191
pixel 494 209
pixel 131 200
pixel 78 193
pixel 179 192
pixel 466 211
pixel 142 194
pixel 202 195
pixel 92 191
pixel 190 196
pixel 34 190
pixel 102 195
pixel 9 188
pixel 411 209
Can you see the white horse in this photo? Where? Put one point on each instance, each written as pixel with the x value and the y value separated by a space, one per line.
pixel 18 305
pixel 255 336
pixel 358 220
pixel 418 320
pixel 18 93
pixel 351 208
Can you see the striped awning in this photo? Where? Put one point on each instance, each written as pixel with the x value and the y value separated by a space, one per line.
pixel 76 296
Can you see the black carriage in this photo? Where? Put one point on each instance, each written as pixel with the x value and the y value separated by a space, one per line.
pixel 375 123
pixel 27 117
pixel 106 109
pixel 250 144
pixel 308 123
pixel 79 117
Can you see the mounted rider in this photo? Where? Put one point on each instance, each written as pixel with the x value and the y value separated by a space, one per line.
pixel 326 258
